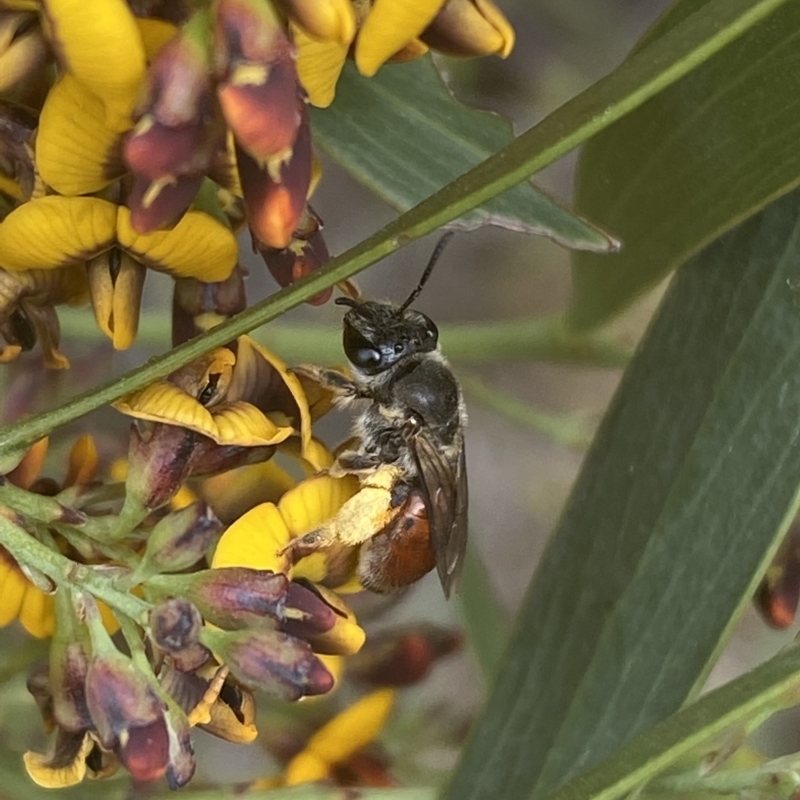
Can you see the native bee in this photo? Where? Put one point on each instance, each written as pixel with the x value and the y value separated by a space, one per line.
pixel 410 513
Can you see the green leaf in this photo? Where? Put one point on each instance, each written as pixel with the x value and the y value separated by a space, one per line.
pixel 485 620
pixel 691 163
pixel 666 61
pixel 691 480
pixel 736 706
pixel 404 136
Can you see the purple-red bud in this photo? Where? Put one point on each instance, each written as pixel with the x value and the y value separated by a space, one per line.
pixel 175 627
pixel 404 656
pixel 233 597
pixel 307 253
pixel 196 305
pixel 271 661
pixel 276 198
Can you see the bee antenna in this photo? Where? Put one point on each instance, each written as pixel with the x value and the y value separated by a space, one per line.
pixel 437 251
pixel 346 301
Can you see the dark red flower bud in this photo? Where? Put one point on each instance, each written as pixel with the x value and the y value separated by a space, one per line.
pixel 403 656
pixel 233 597
pixel 778 593
pixel 160 204
pixel 120 697
pixel 198 306
pixel 306 253
pixel 275 198
pixel 175 627
pixel 271 661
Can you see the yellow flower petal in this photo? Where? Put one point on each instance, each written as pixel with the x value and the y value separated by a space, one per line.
pixel 185 497
pixel 254 541
pixel 470 28
pixel 242 423
pixel 66 766
pixel 236 491
pixel 319 65
pixel 347 636
pixel 116 282
pixel 313 458
pixel 75 151
pixel 155 34
pixel 163 402
pixel 252 377
pixel 37 613
pixel 197 247
pixel 353 729
pixel 10 187
pixel 305 767
pixel 13 585
pixel 55 231
pixel 314 501
pixel 30 465
pixel 83 461
pixel 389 26
pixel 100 43
pixel 329 20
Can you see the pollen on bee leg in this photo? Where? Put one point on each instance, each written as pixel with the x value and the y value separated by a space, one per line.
pixel 358 520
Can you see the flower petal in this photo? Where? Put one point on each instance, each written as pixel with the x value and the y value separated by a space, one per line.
pixel 155 34
pixel 329 20
pixel 37 613
pixel 64 766
pixel 242 423
pixel 342 737
pixel 315 501
pixel 470 28
pixel 75 152
pixel 236 491
pixel 261 378
pixel 116 282
pixel 14 585
pixel 197 247
pixel 55 231
pixel 254 540
pixel 163 402
pixel 389 26
pixel 100 43
pixel 83 460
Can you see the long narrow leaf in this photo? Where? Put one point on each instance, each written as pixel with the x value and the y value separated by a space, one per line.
pixel 405 136
pixel 692 478
pixel 691 163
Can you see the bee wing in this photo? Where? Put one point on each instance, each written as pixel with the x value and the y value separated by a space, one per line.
pixel 446 499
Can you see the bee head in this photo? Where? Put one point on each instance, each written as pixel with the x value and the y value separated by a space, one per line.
pixel 379 335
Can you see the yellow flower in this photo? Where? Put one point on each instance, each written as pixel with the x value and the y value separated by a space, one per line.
pixel 99 42
pixel 399 30
pixel 27 310
pixel 341 738
pixel 257 539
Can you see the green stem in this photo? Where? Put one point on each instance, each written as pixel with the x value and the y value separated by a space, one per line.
pixel 571 430
pixel 767 778
pixel 134 640
pixel 66 573
pixel 641 77
pixel 37 506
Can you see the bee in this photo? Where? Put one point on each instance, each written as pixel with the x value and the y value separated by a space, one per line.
pixel 410 513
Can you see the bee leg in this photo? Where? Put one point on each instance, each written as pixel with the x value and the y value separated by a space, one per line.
pixel 358 520
pixel 332 380
pixel 352 462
